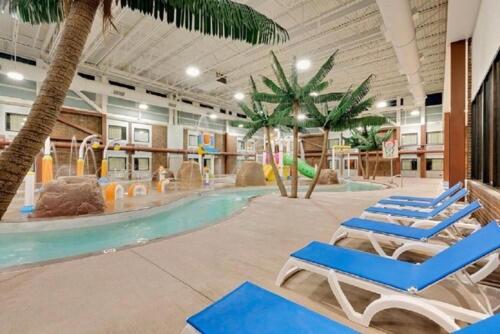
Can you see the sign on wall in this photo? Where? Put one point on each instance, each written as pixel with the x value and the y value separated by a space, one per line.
pixel 390 149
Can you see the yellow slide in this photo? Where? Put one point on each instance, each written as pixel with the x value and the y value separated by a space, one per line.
pixel 268 172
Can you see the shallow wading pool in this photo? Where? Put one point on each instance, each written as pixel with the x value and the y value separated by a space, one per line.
pixel 32 245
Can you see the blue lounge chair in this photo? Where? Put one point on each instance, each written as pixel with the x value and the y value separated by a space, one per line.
pixel 487 326
pixel 411 215
pixel 250 309
pixel 421 202
pixel 398 283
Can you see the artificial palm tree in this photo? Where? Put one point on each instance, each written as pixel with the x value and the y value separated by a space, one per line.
pixel 368 140
pixel 259 118
pixel 289 95
pixel 345 115
pixel 222 18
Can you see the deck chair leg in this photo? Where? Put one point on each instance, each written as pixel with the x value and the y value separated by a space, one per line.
pixel 492 263
pixel 343 301
pixel 189 330
pixel 289 269
pixel 376 244
pixel 340 234
pixel 409 303
pixel 427 248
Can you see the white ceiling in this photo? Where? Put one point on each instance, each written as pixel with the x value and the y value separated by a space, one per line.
pixel 155 55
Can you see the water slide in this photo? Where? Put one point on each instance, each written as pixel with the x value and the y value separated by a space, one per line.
pixel 303 167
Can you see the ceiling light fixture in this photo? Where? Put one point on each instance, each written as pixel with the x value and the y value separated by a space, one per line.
pixel 240 125
pixel 143 106
pixel 193 71
pixel 15 76
pixel 212 116
pixel 239 96
pixel 381 104
pixel 301 117
pixel 313 94
pixel 303 64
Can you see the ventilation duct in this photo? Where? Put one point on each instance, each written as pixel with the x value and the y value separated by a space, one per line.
pixel 399 29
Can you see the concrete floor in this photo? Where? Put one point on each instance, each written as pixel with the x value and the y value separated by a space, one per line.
pixel 153 288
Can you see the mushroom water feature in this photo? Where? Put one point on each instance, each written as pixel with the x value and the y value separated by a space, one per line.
pixel 80 164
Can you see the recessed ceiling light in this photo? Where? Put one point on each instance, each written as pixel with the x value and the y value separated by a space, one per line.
pixel 301 117
pixel 381 104
pixel 415 112
pixel 15 76
pixel 313 94
pixel 212 116
pixel 143 106
pixel 193 71
pixel 240 125
pixel 303 64
pixel 239 96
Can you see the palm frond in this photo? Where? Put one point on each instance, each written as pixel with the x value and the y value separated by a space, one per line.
pixel 321 74
pixel 266 97
pixel 313 112
pixel 272 86
pixel 328 97
pixel 221 18
pixel 359 122
pixel 280 74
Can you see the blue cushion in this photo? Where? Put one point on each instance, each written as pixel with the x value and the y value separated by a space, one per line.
pixel 409 232
pixel 487 326
pixel 252 310
pixel 386 228
pixel 406 203
pixel 401 212
pixel 399 274
pixel 433 200
pixel 412 198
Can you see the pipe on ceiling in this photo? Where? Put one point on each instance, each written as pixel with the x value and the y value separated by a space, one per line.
pixel 399 29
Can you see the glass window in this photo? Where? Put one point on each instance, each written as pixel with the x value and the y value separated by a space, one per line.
pixel 116 132
pixel 141 164
pixel 392 116
pixel 409 139
pixel 241 145
pixel 193 141
pixel 433 114
pixel 117 163
pixel 350 164
pixel 334 142
pixel 14 122
pixel 434 164
pixel 435 138
pixel 141 135
pixel 408 118
pixel 409 164
pixel 251 145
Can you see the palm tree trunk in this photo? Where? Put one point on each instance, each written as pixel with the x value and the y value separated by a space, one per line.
pixel 321 162
pixel 360 162
pixel 18 158
pixel 294 167
pixel 376 166
pixel 277 176
pixel 367 167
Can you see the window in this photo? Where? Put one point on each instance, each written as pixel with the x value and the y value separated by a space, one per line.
pixel 409 139
pixel 251 145
pixel 241 145
pixel 408 118
pixel 435 138
pixel 409 164
pixel 433 114
pixel 434 164
pixel 392 116
pixel 141 135
pixel 116 132
pixel 350 164
pixel 334 142
pixel 141 164
pixel 14 122
pixel 117 163
pixel 193 140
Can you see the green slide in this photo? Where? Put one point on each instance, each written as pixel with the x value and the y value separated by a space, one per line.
pixel 304 168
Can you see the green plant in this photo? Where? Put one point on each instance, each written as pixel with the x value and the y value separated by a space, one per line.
pixel 221 18
pixel 259 118
pixel 291 97
pixel 368 140
pixel 345 115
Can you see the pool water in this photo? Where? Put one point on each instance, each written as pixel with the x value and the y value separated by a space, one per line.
pixel 198 211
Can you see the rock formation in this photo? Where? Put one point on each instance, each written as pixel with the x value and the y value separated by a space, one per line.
pixel 328 176
pixel 189 175
pixel 250 173
pixel 70 196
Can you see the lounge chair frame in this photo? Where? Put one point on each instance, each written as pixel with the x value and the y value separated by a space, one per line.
pixel 444 314
pixel 188 329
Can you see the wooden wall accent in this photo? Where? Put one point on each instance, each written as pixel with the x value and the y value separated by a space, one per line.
pixel 457 125
pixel 231 147
pixel 159 139
pixel 446 156
pixel 490 200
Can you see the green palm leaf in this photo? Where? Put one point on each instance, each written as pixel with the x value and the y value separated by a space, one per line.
pixel 221 18
pixel 321 74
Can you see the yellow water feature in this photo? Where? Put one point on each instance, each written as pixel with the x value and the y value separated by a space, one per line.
pixel 104 167
pixel 79 167
pixel 47 169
